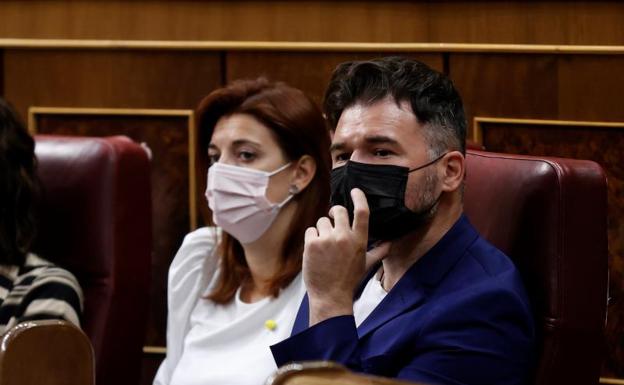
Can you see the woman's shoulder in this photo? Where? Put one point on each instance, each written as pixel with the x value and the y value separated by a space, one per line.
pixel 40 269
pixel 206 236
pixel 45 290
pixel 196 246
pixel 195 261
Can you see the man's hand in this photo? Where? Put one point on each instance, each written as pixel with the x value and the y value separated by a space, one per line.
pixel 335 259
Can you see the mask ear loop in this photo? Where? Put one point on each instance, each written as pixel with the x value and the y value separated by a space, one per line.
pixel 284 167
pixel 291 192
pixel 428 164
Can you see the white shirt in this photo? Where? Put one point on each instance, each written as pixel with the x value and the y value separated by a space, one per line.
pixel 371 296
pixel 219 344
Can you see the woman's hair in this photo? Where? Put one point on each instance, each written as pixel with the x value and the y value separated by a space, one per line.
pixel 19 187
pixel 299 128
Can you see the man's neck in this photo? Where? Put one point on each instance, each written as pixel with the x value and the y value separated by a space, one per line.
pixel 407 250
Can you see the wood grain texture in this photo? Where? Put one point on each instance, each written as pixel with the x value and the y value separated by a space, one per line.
pixel 539 22
pixel 167 138
pixel 604 146
pixel 519 86
pixel 309 72
pixel 591 87
pixel 85 78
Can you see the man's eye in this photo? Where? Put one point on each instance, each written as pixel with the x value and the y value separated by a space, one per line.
pixel 382 153
pixel 343 157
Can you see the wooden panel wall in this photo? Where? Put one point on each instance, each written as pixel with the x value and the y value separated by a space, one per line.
pixel 125 79
pixel 537 22
pixel 568 87
pixel 306 70
pixel 507 85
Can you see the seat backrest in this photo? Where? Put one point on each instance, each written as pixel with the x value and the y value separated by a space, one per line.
pixel 96 222
pixel 46 353
pixel 550 216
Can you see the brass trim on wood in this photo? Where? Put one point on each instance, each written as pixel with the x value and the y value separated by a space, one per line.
pixel 189 114
pixel 478 121
pixel 154 350
pixel 307 46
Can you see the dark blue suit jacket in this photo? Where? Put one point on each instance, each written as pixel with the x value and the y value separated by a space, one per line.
pixel 459 315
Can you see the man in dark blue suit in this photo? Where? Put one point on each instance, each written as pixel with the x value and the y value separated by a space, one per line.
pixel 430 301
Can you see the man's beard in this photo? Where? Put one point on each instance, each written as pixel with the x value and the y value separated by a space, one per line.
pixel 425 196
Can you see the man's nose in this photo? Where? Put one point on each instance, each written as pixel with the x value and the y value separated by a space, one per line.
pixel 357 156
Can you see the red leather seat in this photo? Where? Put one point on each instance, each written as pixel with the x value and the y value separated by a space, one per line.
pixel 96 222
pixel 550 216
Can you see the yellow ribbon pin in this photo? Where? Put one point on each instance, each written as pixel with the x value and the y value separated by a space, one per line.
pixel 270 324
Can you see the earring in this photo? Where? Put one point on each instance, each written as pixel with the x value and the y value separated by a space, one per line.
pixel 292 190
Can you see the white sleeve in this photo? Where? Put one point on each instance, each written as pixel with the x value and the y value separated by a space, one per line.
pixel 191 270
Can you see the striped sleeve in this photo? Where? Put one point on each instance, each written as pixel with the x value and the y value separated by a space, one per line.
pixel 44 292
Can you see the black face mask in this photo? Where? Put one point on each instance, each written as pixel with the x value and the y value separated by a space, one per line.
pixel 384 187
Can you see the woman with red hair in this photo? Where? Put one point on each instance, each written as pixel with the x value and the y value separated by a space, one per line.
pixel 234 289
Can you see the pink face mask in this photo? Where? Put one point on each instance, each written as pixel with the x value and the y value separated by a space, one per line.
pixel 237 197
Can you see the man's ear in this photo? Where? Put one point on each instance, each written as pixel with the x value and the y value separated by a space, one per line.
pixel 454 168
pixel 304 172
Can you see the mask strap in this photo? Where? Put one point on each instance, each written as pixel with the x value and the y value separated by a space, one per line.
pixel 282 203
pixel 279 169
pixel 290 194
pixel 428 164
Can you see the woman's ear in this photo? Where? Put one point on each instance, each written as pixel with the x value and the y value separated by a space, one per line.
pixel 304 172
pixel 454 164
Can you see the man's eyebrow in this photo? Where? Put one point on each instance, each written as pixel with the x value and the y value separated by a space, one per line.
pixel 381 139
pixel 337 146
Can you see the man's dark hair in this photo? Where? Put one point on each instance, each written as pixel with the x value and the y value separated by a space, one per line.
pixel 19 188
pixel 432 96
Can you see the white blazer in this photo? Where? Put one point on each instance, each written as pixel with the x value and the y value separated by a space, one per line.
pixel 190 274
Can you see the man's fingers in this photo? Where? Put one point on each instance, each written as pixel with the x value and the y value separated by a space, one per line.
pixel 360 212
pixel 310 234
pixel 377 254
pixel 340 217
pixel 324 226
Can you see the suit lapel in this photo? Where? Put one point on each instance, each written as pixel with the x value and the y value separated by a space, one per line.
pixel 422 277
pixel 413 288
pixel 405 295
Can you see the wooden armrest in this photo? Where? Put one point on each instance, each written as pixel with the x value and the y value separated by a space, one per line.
pixel 46 352
pixel 325 373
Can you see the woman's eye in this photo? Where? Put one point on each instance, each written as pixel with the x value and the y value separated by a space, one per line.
pixel 212 159
pixel 246 156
